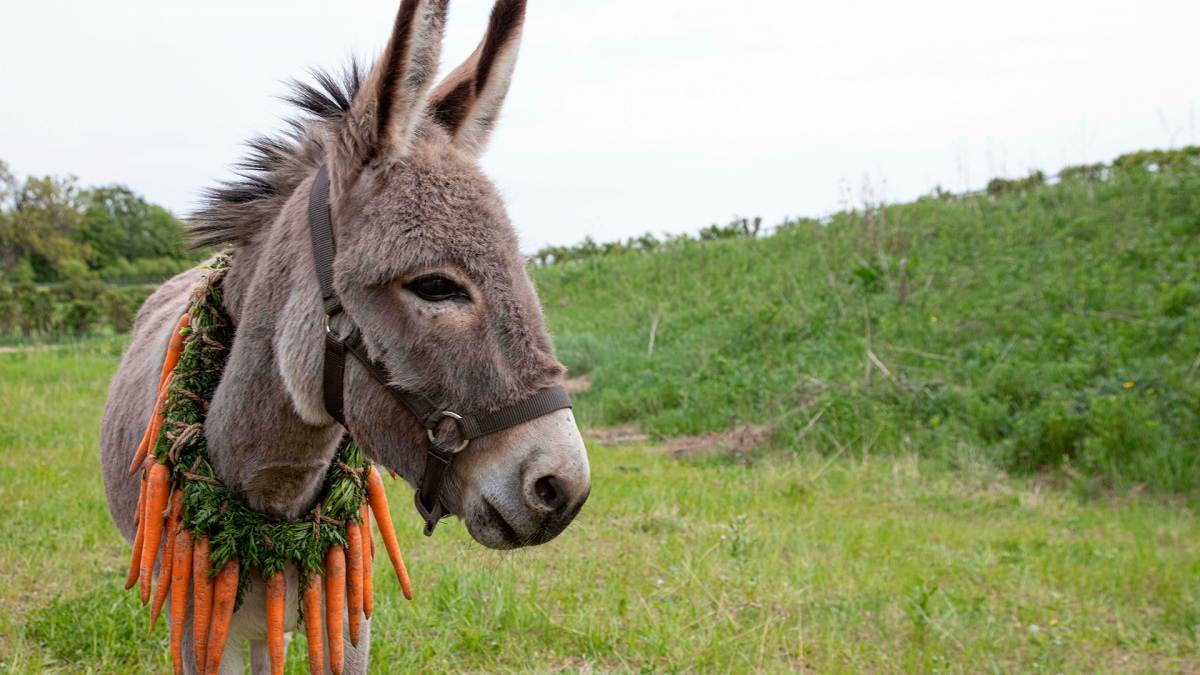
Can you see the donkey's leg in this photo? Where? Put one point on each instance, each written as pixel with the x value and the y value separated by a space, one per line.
pixel 260 658
pixel 189 652
pixel 354 659
pixel 357 657
pixel 260 655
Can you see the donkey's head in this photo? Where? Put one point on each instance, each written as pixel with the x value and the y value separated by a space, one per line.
pixel 428 267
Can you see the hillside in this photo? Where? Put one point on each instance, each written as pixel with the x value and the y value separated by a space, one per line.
pixel 1034 325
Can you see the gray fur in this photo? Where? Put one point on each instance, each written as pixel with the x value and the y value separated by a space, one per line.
pixel 407 200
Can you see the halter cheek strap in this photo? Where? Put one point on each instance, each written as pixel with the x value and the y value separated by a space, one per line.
pixel 459 430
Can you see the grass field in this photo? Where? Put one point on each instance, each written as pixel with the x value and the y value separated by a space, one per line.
pixel 981 417
pixel 1051 326
pixel 875 562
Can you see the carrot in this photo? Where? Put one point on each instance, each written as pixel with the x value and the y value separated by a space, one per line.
pixel 168 557
pixel 276 602
pixel 156 502
pixel 335 605
pixel 144 447
pixel 135 559
pixel 202 601
pixel 379 506
pixel 368 585
pixel 224 597
pixel 354 585
pixel 151 435
pixel 181 579
pixel 312 624
pixel 174 351
pixel 366 518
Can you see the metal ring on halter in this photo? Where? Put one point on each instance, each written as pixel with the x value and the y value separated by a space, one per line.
pixel 453 416
pixel 328 330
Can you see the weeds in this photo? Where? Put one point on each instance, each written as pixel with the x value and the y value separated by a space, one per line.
pixel 1012 323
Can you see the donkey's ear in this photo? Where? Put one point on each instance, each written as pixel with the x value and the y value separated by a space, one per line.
pixel 391 101
pixel 467 103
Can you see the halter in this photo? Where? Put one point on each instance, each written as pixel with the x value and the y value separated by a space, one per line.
pixel 432 416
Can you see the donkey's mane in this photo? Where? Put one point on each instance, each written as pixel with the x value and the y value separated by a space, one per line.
pixel 234 210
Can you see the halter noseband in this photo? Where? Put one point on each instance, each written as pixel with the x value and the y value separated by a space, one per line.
pixel 432 417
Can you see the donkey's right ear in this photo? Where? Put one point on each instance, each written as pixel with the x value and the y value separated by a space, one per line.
pixel 467 103
pixel 391 101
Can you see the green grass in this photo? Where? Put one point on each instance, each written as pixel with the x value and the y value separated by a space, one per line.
pixel 875 562
pixel 1058 327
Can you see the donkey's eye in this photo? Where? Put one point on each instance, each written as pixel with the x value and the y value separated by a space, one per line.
pixel 437 288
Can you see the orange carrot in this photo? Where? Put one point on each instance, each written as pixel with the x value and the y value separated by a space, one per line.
pixel 155 424
pixel 368 584
pixel 181 580
pixel 354 585
pixel 156 502
pixel 135 559
pixel 379 506
pixel 365 513
pixel 168 557
pixel 176 344
pixel 202 601
pixel 276 602
pixel 312 624
pixel 174 350
pixel 224 597
pixel 335 605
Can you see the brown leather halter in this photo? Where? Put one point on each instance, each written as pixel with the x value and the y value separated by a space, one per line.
pixel 433 417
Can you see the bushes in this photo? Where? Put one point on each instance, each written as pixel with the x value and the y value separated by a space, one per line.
pixel 79 307
pixel 1050 321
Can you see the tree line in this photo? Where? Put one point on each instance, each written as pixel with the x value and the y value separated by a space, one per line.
pixel 63 247
pixel 590 249
pixel 53 230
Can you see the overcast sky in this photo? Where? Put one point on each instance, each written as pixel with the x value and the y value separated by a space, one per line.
pixel 628 116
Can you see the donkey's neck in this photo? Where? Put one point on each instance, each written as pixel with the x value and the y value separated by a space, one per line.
pixel 269 438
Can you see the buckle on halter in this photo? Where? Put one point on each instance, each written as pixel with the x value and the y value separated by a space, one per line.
pixel 329 328
pixel 457 418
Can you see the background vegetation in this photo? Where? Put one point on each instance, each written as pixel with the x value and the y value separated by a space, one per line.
pixel 1044 325
pixel 866 564
pixel 925 376
pixel 74 260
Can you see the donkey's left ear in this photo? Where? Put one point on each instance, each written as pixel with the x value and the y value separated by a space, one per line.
pixel 390 103
pixel 467 103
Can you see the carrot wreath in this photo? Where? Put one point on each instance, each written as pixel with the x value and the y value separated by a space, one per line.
pixel 209 540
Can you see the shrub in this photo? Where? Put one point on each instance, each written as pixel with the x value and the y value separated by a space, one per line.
pixel 1047 434
pixel 79 317
pixel 36 309
pixel 579 352
pixel 8 312
pixel 120 308
pixel 1001 186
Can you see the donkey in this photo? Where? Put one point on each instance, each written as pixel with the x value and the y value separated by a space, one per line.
pixel 427 263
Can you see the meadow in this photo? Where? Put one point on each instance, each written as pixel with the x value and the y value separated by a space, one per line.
pixel 954 435
pixel 885 563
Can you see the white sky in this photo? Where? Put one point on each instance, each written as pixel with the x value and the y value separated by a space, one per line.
pixel 628 116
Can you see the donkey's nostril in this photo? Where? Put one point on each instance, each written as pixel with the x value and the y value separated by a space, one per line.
pixel 549 494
